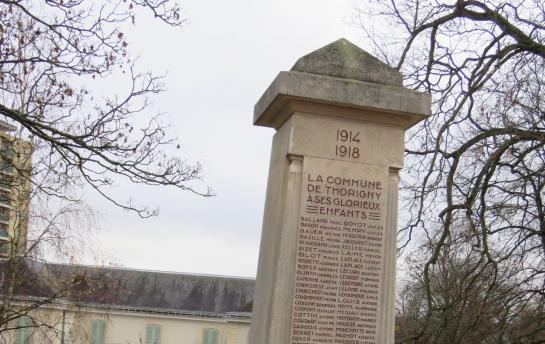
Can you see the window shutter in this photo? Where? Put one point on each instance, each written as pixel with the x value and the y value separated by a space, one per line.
pixel 153 334
pixel 157 335
pixel 24 330
pixel 149 339
pixel 98 331
pixel 210 336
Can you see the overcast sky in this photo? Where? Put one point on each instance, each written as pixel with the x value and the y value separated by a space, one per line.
pixel 218 65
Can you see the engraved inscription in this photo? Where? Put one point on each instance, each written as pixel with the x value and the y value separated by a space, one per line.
pixel 339 254
pixel 347 141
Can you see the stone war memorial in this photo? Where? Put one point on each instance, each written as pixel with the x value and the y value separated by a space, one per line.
pixel 326 270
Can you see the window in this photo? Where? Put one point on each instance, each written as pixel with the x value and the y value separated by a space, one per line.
pixel 4 236
pixel 4 199
pixel 24 330
pixel 6 150
pixel 4 214
pixel 210 336
pixel 153 334
pixel 4 249
pixel 5 182
pixel 98 331
pixel 5 167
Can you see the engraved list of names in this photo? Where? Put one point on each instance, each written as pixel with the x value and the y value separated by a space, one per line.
pixel 339 253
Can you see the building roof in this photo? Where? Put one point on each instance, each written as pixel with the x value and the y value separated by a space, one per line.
pixel 137 290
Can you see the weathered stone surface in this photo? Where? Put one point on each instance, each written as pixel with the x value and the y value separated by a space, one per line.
pixel 345 77
pixel 326 270
pixel 343 59
pixel 399 103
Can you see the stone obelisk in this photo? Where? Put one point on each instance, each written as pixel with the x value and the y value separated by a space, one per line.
pixel 326 269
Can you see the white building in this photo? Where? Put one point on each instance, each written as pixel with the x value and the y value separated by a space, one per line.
pixel 98 305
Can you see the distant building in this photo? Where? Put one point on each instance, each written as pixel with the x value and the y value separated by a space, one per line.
pixel 99 305
pixel 15 165
pixel 73 304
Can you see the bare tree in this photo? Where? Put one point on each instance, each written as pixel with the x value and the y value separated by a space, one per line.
pixel 472 301
pixel 51 53
pixel 480 158
pixel 56 56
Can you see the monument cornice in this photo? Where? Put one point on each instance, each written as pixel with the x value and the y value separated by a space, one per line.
pixel 295 91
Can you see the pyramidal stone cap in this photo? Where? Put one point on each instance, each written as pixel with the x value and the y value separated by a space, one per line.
pixel 343 59
pixel 344 80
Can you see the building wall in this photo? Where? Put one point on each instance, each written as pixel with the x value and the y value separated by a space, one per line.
pixel 15 166
pixel 131 328
pixel 125 328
